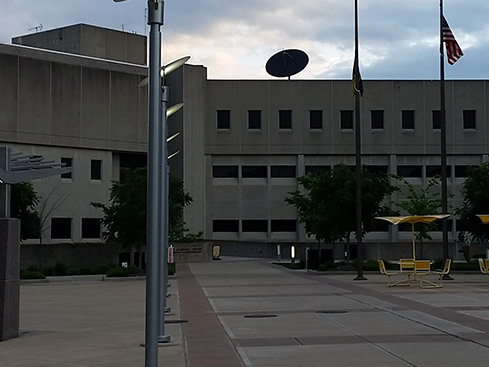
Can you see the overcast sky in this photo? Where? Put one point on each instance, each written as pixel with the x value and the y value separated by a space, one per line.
pixel 234 39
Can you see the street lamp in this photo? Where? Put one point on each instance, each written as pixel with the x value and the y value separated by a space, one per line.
pixel 155 167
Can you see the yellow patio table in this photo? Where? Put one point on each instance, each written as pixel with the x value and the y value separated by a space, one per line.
pixel 414 219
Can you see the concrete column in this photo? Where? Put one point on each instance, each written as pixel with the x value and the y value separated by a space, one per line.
pixel 9 278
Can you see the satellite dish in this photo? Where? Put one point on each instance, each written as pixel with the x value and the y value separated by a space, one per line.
pixel 287 63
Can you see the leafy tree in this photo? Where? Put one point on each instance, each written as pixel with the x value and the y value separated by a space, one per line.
pixel 23 201
pixel 424 202
pixel 327 208
pixel 125 217
pixel 475 201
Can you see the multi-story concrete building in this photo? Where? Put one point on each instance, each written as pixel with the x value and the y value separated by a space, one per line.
pixel 242 143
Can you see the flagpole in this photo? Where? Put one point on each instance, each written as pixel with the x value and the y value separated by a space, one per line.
pixel 443 156
pixel 358 154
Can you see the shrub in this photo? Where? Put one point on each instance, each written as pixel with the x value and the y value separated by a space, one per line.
pixel 33 268
pixel 72 271
pixel 100 269
pixel 85 270
pixel 118 271
pixel 172 268
pixel 60 269
pixel 29 274
pixel 371 265
pixel 48 271
pixel 133 269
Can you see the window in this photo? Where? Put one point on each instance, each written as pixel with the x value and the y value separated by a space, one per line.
pixel 436 119
pixel 282 171
pixel 377 119
pixel 90 228
pixel 432 171
pixel 61 228
pixel 381 226
pixel 254 119
pixel 461 171
pixel 316 119
pixel 469 119
pixel 317 170
pixel 255 225
pixel 410 171
pixel 68 162
pixel 285 119
pixel 223 119
pixel 377 169
pixel 254 171
pixel 96 169
pixel 283 225
pixel 225 225
pixel 407 120
pixel 346 119
pixel 224 171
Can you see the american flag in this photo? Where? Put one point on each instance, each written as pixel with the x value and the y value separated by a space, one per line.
pixel 454 52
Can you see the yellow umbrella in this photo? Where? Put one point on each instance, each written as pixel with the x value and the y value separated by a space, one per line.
pixel 414 219
pixel 484 218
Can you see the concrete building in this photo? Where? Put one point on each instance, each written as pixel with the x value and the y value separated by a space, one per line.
pixel 71 95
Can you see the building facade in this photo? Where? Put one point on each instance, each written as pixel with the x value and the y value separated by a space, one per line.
pixel 242 143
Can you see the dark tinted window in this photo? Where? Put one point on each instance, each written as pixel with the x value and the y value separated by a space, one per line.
pixel 316 119
pixel 377 119
pixel 346 118
pixel 223 119
pixel 225 225
pixel 410 171
pixel 283 225
pixel 254 119
pixel 68 162
pixel 282 171
pixel 254 171
pixel 224 171
pixel 90 228
pixel 96 169
pixel 61 228
pixel 407 118
pixel 285 119
pixel 461 171
pixel 469 119
pixel 377 169
pixel 436 115
pixel 255 225
pixel 432 171
pixel 317 170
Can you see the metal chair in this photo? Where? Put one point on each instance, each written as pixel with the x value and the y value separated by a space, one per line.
pixel 384 271
pixel 445 271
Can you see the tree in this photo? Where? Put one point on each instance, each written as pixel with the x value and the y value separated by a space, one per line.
pixel 125 217
pixel 23 201
pixel 424 202
pixel 475 195
pixel 328 207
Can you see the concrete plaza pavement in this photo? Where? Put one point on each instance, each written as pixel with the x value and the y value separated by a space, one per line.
pixel 251 313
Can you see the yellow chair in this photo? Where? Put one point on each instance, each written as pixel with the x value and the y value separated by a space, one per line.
pixel 406 266
pixel 384 271
pixel 482 266
pixel 421 269
pixel 445 271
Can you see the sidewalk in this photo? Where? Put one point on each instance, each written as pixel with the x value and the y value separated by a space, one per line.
pixel 250 313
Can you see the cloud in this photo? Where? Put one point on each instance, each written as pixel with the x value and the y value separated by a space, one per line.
pixel 234 39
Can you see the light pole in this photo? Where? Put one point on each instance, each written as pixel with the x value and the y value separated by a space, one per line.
pixel 155 21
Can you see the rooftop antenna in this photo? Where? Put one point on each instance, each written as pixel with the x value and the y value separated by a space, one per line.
pixel 37 28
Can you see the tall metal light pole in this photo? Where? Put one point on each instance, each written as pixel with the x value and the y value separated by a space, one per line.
pixel 358 90
pixel 155 21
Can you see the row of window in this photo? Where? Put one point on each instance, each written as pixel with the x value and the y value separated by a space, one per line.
pixel 254 225
pixel 290 225
pixel 95 168
pixel 408 171
pixel 346 119
pixel 61 228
